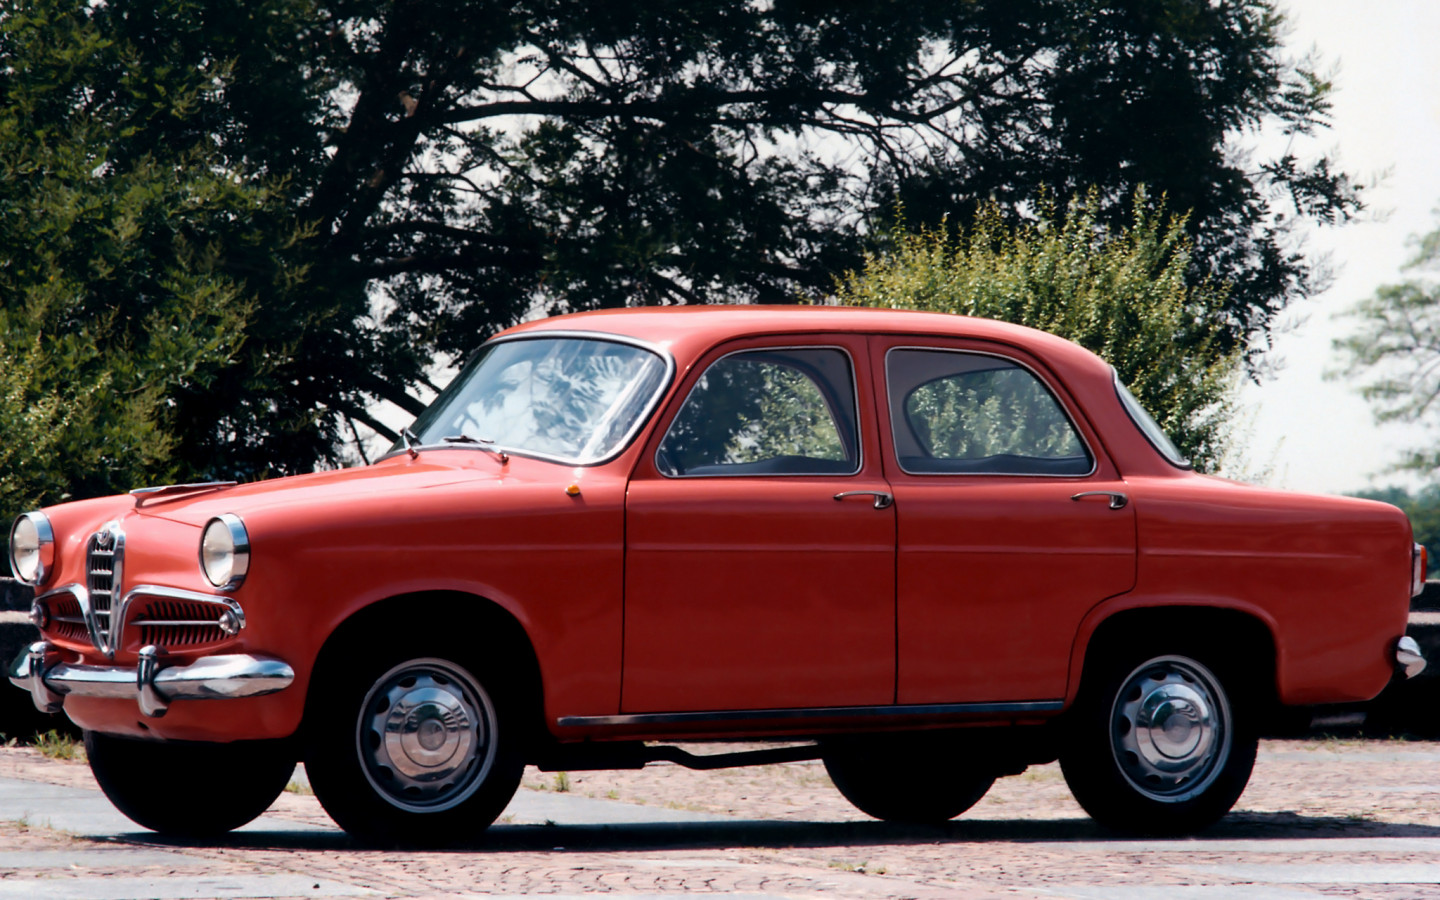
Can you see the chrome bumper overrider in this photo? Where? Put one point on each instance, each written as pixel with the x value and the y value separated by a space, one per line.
pixel 1408 657
pixel 152 685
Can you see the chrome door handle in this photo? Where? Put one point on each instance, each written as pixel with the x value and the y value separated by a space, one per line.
pixel 1117 499
pixel 882 499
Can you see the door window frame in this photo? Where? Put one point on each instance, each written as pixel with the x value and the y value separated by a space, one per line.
pixel 859 436
pixel 886 406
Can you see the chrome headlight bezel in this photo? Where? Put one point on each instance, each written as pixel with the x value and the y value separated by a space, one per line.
pixel 225 552
pixel 34 528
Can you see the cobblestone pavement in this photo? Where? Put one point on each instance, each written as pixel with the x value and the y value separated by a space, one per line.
pixel 1354 819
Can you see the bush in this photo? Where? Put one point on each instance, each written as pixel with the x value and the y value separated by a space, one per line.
pixel 1121 293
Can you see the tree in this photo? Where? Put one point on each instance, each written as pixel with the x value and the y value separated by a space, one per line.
pixel 456 165
pixel 1397 349
pixel 114 294
pixel 1119 292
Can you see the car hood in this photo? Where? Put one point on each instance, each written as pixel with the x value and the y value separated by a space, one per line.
pixel 392 480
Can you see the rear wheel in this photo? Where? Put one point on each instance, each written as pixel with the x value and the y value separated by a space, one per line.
pixel 232 783
pixel 901 780
pixel 1158 743
pixel 413 750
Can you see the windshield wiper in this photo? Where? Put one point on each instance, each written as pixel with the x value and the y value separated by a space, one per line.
pixel 481 443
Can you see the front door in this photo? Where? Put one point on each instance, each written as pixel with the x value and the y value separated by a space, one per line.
pixel 748 584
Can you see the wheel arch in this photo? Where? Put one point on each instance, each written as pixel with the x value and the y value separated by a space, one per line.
pixel 1249 632
pixel 495 630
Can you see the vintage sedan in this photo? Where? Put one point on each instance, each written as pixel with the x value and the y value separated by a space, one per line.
pixel 892 539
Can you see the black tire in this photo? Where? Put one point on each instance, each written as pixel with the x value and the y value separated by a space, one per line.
pixel 918 782
pixel 231 783
pixel 415 750
pixel 1159 743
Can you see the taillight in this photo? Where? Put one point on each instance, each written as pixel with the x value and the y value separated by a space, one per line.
pixel 1419 562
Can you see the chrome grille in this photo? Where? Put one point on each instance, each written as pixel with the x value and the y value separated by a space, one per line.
pixel 104 562
pixel 67 620
pixel 177 623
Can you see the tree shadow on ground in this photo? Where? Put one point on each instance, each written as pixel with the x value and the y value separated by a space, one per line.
pixel 774 834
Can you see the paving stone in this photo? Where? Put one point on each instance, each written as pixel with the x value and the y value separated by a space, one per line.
pixel 1181 892
pixel 233 887
pixel 84 858
pixel 1291 873
pixel 1330 846
pixel 88 812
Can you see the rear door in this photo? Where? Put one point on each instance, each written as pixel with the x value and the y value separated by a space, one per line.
pixel 1012 523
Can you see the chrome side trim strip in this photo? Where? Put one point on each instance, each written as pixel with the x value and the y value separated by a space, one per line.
pixel 927 710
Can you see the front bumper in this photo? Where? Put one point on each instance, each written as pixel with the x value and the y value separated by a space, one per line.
pixel 150 684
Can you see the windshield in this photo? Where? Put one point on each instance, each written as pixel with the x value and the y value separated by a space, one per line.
pixel 572 399
pixel 1149 427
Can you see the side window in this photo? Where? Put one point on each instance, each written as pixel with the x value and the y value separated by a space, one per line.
pixel 968 413
pixel 767 412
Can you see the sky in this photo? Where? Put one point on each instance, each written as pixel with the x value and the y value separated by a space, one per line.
pixel 1299 430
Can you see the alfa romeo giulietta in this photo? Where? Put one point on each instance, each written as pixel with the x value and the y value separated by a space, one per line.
pixel 893 541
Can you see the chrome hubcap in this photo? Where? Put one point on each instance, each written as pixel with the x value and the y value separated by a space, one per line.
pixel 426 735
pixel 1170 728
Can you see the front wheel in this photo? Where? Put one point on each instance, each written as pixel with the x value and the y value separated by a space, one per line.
pixel 228 784
pixel 1158 745
pixel 412 750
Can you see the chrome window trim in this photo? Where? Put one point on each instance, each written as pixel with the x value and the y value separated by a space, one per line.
pixel 622 445
pixel 1179 462
pixel 854 394
pixel 240 537
pixel 46 536
pixel 1079 434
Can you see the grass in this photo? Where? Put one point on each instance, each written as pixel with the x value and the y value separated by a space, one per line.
pixel 862 868
pixel 300 787
pixel 56 745
pixel 560 784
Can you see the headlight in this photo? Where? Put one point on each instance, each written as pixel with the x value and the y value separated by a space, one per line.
pixel 32 548
pixel 225 552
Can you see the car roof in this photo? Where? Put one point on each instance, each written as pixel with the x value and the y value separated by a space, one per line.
pixel 688 330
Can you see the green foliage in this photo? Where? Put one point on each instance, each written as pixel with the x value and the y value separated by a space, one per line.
pixel 1119 292
pixel 59 745
pixel 116 282
pixel 1395 352
pixel 349 191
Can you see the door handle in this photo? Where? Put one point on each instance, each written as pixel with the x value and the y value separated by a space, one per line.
pixel 1117 499
pixel 882 499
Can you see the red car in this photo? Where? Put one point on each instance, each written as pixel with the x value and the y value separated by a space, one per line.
pixel 911 540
